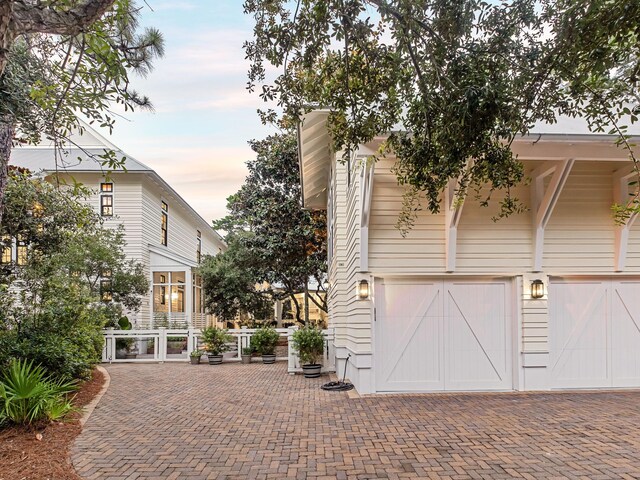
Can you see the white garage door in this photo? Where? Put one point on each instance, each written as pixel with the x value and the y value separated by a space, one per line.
pixel 594 333
pixel 443 335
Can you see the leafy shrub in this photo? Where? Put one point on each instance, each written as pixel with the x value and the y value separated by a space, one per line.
pixel 216 339
pixel 309 343
pixel 264 341
pixel 28 395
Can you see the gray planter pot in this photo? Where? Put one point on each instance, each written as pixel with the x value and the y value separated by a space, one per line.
pixel 246 359
pixel 312 370
pixel 130 356
pixel 195 360
pixel 214 359
pixel 268 359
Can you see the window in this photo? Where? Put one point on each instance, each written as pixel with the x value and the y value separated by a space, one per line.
pixel 169 299
pixel 106 291
pixel 198 246
pixel 7 250
pixel 106 199
pixel 165 224
pixel 21 251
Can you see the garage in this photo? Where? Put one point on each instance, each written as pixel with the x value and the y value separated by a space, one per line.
pixel 443 335
pixel 594 333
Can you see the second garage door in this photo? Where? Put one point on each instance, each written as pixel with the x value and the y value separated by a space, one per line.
pixel 437 335
pixel 594 333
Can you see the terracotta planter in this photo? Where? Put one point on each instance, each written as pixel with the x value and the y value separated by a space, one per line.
pixel 214 359
pixel 268 359
pixel 312 370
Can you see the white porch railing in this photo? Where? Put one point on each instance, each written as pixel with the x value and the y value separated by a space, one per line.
pixel 175 345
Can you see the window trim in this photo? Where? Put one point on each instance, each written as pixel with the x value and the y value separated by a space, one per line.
pixel 198 246
pixel 106 194
pixel 164 223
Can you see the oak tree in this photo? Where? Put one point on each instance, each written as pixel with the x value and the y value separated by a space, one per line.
pixel 454 82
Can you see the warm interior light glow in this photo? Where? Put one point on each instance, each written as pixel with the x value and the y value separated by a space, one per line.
pixel 537 289
pixel 363 289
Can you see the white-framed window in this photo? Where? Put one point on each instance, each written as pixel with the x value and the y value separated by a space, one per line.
pixel 106 199
pixel 164 228
pixel 169 299
pixel 198 246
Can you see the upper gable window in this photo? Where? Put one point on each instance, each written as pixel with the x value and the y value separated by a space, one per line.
pixel 198 245
pixel 165 224
pixel 106 199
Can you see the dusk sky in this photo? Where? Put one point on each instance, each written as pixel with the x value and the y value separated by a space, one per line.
pixel 197 137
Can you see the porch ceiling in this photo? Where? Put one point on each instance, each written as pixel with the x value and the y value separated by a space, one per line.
pixel 315 158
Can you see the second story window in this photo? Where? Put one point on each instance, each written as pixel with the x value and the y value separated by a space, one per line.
pixel 165 224
pixel 7 250
pixel 106 199
pixel 21 251
pixel 198 245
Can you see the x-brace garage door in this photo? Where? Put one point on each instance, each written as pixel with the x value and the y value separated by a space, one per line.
pixel 436 335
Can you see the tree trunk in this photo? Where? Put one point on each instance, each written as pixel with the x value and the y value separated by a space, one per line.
pixel 7 129
pixel 6 32
pixel 306 302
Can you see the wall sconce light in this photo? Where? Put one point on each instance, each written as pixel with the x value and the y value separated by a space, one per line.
pixel 537 289
pixel 363 290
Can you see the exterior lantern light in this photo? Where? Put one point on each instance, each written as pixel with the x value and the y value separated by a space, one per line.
pixel 363 290
pixel 537 289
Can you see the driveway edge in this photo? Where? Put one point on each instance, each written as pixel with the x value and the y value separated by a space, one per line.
pixel 90 407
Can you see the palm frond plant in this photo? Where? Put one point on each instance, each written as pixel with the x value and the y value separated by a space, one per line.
pixel 28 395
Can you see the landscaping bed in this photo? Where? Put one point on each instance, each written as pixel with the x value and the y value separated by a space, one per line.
pixel 24 457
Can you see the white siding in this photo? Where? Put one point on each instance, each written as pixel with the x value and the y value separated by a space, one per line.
pixel 579 240
pixel 350 316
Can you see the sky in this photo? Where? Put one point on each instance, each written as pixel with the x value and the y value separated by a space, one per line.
pixel 197 137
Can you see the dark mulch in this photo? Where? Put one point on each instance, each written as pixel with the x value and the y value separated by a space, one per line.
pixel 24 457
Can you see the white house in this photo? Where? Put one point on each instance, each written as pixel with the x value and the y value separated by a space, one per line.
pixel 162 230
pixel 451 307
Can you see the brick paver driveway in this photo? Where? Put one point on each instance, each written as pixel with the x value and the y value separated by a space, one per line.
pixel 255 421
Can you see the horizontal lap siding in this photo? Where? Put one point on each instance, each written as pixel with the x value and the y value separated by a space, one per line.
pixel 580 235
pixel 421 251
pixel 349 316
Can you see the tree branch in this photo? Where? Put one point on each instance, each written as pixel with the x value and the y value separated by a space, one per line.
pixel 38 18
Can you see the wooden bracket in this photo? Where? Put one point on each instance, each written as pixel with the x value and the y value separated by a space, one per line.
pixel 366 193
pixel 621 195
pixel 543 202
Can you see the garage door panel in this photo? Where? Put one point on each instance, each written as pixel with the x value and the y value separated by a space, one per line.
pixel 409 351
pixel 442 335
pixel 594 333
pixel 625 334
pixel 478 337
pixel 579 340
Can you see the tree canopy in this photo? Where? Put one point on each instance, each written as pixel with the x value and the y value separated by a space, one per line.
pixel 63 277
pixel 453 82
pixel 287 244
pixel 64 59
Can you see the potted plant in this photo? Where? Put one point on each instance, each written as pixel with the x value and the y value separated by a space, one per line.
pixel 195 357
pixel 246 354
pixel 215 340
pixel 308 342
pixel 264 341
